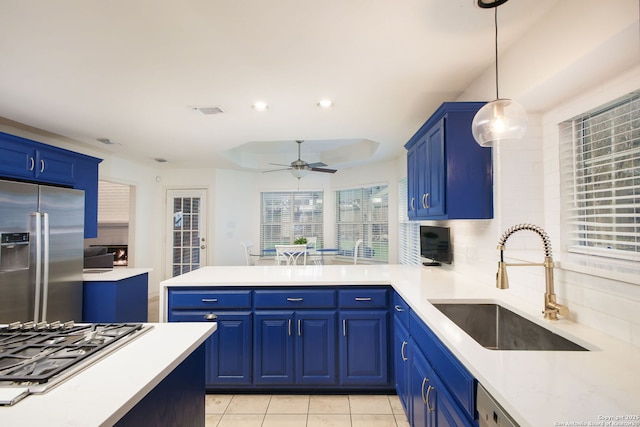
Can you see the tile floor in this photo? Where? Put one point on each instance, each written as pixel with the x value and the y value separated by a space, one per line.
pixel 258 410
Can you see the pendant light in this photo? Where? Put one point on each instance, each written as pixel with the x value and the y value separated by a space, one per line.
pixel 499 119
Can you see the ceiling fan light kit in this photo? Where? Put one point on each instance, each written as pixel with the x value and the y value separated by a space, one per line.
pixel 500 119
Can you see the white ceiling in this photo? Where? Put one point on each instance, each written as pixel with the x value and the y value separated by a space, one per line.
pixel 131 71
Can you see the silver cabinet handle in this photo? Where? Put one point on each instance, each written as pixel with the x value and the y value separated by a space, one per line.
pixel 398 308
pixel 425 201
pixel 424 381
pixel 294 299
pixel 210 316
pixel 289 326
pixel 32 162
pixel 299 328
pixel 209 299
pixel 41 166
pixel 404 358
pixel 429 408
pixel 413 200
pixel 363 298
pixel 344 327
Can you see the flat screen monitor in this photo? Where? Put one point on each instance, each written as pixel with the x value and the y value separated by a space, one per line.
pixel 435 244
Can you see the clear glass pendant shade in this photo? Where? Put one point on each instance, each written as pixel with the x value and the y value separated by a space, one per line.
pixel 499 120
pixel 298 173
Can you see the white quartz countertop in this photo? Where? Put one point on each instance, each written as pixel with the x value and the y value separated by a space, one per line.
pixel 111 274
pixel 104 392
pixel 537 388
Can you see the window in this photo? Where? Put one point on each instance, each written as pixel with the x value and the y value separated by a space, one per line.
pixel 289 215
pixel 363 213
pixel 408 231
pixel 600 166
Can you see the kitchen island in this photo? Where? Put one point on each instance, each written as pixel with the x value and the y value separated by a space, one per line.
pixel 537 388
pixel 139 381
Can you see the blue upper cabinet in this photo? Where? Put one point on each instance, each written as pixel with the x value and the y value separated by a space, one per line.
pixel 32 161
pixel 449 175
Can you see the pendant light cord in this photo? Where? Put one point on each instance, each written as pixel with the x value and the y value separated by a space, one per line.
pixel 495 21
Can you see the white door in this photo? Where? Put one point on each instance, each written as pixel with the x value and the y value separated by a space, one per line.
pixel 186 231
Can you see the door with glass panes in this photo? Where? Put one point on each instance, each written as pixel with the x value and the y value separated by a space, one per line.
pixel 186 231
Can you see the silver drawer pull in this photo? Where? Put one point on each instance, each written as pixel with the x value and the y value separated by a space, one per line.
pixel 398 308
pixel 363 298
pixel 209 299
pixel 210 316
pixel 294 299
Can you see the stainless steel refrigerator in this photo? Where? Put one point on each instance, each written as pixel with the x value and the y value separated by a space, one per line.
pixel 41 252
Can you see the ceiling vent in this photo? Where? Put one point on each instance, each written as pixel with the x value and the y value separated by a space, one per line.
pixel 208 110
pixel 106 141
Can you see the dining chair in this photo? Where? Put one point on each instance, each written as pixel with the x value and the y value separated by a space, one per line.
pixel 291 254
pixel 247 252
pixel 312 253
pixel 355 251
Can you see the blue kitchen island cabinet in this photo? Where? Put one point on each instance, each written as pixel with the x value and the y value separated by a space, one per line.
pixel 24 159
pixel 449 176
pixel 122 299
pixel 229 349
pixel 295 348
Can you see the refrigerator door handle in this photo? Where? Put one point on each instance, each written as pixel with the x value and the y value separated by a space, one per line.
pixel 45 265
pixel 38 285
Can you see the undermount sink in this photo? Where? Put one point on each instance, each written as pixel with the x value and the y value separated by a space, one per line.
pixel 498 328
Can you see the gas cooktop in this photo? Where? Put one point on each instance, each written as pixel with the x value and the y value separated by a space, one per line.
pixel 35 357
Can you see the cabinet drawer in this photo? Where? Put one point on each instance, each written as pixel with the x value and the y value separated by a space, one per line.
pixel 295 298
pixel 455 377
pixel 209 299
pixel 363 298
pixel 400 310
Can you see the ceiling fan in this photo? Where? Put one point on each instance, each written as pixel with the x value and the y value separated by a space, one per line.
pixel 300 168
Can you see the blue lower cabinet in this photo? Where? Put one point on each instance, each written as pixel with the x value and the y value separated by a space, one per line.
pixel 423 402
pixel 363 348
pixel 230 350
pixel 294 348
pixel 122 301
pixel 448 413
pixel 402 364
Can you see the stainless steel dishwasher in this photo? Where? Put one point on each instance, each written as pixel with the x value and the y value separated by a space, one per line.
pixel 490 413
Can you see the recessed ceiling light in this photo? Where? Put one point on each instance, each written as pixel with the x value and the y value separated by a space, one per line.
pixel 160 160
pixel 216 109
pixel 325 103
pixel 260 106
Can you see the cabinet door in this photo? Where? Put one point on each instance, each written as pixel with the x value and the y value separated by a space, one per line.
pixel 363 348
pixel 273 347
pixel 422 392
pixel 230 362
pixel 17 157
pixel 402 364
pixel 432 202
pixel 315 349
pixel 448 413
pixel 412 182
pixel 55 167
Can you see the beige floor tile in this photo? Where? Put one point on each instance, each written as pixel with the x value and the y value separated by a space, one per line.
pixel 379 420
pixel 329 404
pixel 285 420
pixel 248 404
pixel 401 420
pixel 365 404
pixel 288 404
pixel 396 404
pixel 216 403
pixel 212 420
pixel 329 420
pixel 241 420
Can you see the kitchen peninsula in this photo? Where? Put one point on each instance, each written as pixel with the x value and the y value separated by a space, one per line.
pixel 157 376
pixel 537 388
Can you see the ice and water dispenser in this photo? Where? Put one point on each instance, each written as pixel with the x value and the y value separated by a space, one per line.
pixel 14 251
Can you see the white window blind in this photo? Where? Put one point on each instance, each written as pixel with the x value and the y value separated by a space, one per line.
pixel 363 213
pixel 600 160
pixel 289 215
pixel 408 231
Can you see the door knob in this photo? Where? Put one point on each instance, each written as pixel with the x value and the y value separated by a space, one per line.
pixel 203 247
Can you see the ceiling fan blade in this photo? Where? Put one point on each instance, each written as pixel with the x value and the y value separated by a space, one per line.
pixel 280 164
pixel 316 165
pixel 324 170
pixel 277 170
